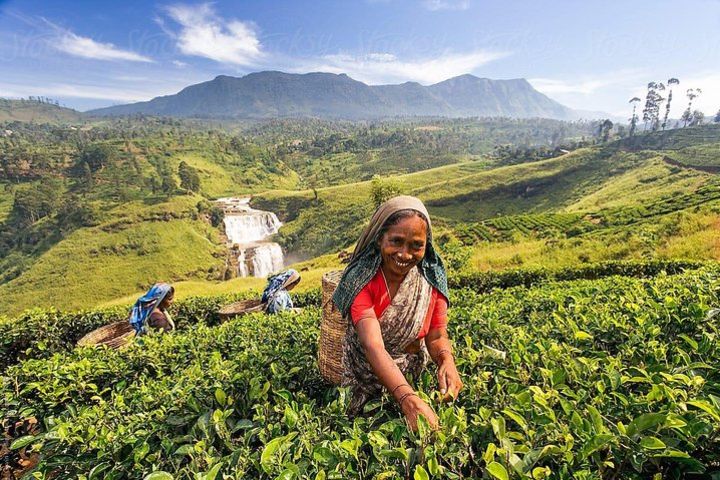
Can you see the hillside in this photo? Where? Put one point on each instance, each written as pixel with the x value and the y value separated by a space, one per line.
pixel 596 203
pixel 325 95
pixel 37 112
pixel 137 245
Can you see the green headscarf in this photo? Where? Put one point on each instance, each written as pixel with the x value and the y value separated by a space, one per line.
pixel 366 258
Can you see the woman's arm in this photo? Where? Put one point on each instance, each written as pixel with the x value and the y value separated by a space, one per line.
pixel 157 320
pixel 390 376
pixel 438 345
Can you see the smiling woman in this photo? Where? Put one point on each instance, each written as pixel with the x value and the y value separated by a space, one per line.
pixel 395 293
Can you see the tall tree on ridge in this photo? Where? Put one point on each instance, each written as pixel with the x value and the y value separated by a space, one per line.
pixel 649 104
pixel 634 119
pixel 697 118
pixel 692 94
pixel 604 130
pixel 670 83
pixel 717 117
pixel 657 105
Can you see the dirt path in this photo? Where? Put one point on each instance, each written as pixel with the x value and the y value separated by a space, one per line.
pixel 702 168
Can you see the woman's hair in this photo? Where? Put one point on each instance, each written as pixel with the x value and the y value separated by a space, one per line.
pixel 396 217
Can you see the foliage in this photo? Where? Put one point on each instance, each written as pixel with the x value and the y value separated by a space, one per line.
pixel 41 332
pixel 382 190
pixel 612 378
pixel 37 201
pixel 486 281
pixel 189 178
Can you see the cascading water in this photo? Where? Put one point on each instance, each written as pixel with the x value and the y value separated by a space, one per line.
pixel 247 229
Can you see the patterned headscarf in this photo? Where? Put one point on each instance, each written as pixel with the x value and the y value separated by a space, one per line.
pixel 366 258
pixel 146 304
pixel 276 295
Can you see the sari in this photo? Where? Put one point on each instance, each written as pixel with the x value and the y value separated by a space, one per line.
pixel 275 295
pixel 145 305
pixel 401 322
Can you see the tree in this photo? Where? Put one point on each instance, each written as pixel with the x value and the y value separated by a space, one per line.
pixel 382 190
pixel 650 104
pixel 97 156
pixel 692 94
pixel 697 118
pixel 634 118
pixel 36 202
pixel 717 117
pixel 604 130
pixel 659 99
pixel 189 178
pixel 167 182
pixel 670 83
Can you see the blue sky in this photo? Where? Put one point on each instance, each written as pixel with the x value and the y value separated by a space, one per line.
pixel 587 55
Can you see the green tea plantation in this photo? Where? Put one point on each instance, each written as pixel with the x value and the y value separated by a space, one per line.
pixel 606 378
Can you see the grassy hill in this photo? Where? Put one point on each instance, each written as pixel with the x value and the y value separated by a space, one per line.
pixel 602 202
pixel 584 181
pixel 136 247
pixel 37 112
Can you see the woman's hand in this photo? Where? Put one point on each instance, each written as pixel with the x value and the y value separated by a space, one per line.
pixel 449 379
pixel 412 407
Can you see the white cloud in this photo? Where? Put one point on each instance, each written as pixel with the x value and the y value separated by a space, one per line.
pixel 204 34
pixel 435 5
pixel 85 47
pixel 376 68
pixel 589 84
pixel 179 64
pixel 67 90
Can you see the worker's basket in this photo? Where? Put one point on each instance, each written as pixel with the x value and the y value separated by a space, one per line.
pixel 115 335
pixel 333 330
pixel 243 307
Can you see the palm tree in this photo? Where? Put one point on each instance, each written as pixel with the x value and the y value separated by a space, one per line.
pixel 634 119
pixel 670 83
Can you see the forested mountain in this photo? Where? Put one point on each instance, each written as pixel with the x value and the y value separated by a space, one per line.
pixel 278 94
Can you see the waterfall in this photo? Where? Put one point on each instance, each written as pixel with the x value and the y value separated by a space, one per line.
pixel 246 230
pixel 253 226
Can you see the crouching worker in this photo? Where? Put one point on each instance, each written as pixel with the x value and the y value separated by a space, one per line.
pixel 276 295
pixel 150 310
pixel 395 293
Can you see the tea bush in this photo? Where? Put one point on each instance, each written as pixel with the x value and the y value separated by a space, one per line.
pixel 589 379
pixel 39 333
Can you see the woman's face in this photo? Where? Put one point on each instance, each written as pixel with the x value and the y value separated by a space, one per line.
pixel 167 301
pixel 403 246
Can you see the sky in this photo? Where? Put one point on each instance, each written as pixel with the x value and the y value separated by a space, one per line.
pixel 587 55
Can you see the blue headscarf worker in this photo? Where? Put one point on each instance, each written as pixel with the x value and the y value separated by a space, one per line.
pixel 150 310
pixel 276 294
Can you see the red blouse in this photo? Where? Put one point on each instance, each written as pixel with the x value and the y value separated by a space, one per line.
pixel 374 298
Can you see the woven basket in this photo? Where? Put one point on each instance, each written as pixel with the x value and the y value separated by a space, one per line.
pixel 332 332
pixel 115 335
pixel 242 307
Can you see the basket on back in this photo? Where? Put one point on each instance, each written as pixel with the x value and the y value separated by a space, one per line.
pixel 242 307
pixel 332 332
pixel 115 335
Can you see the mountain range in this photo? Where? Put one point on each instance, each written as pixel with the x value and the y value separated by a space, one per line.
pixel 274 94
